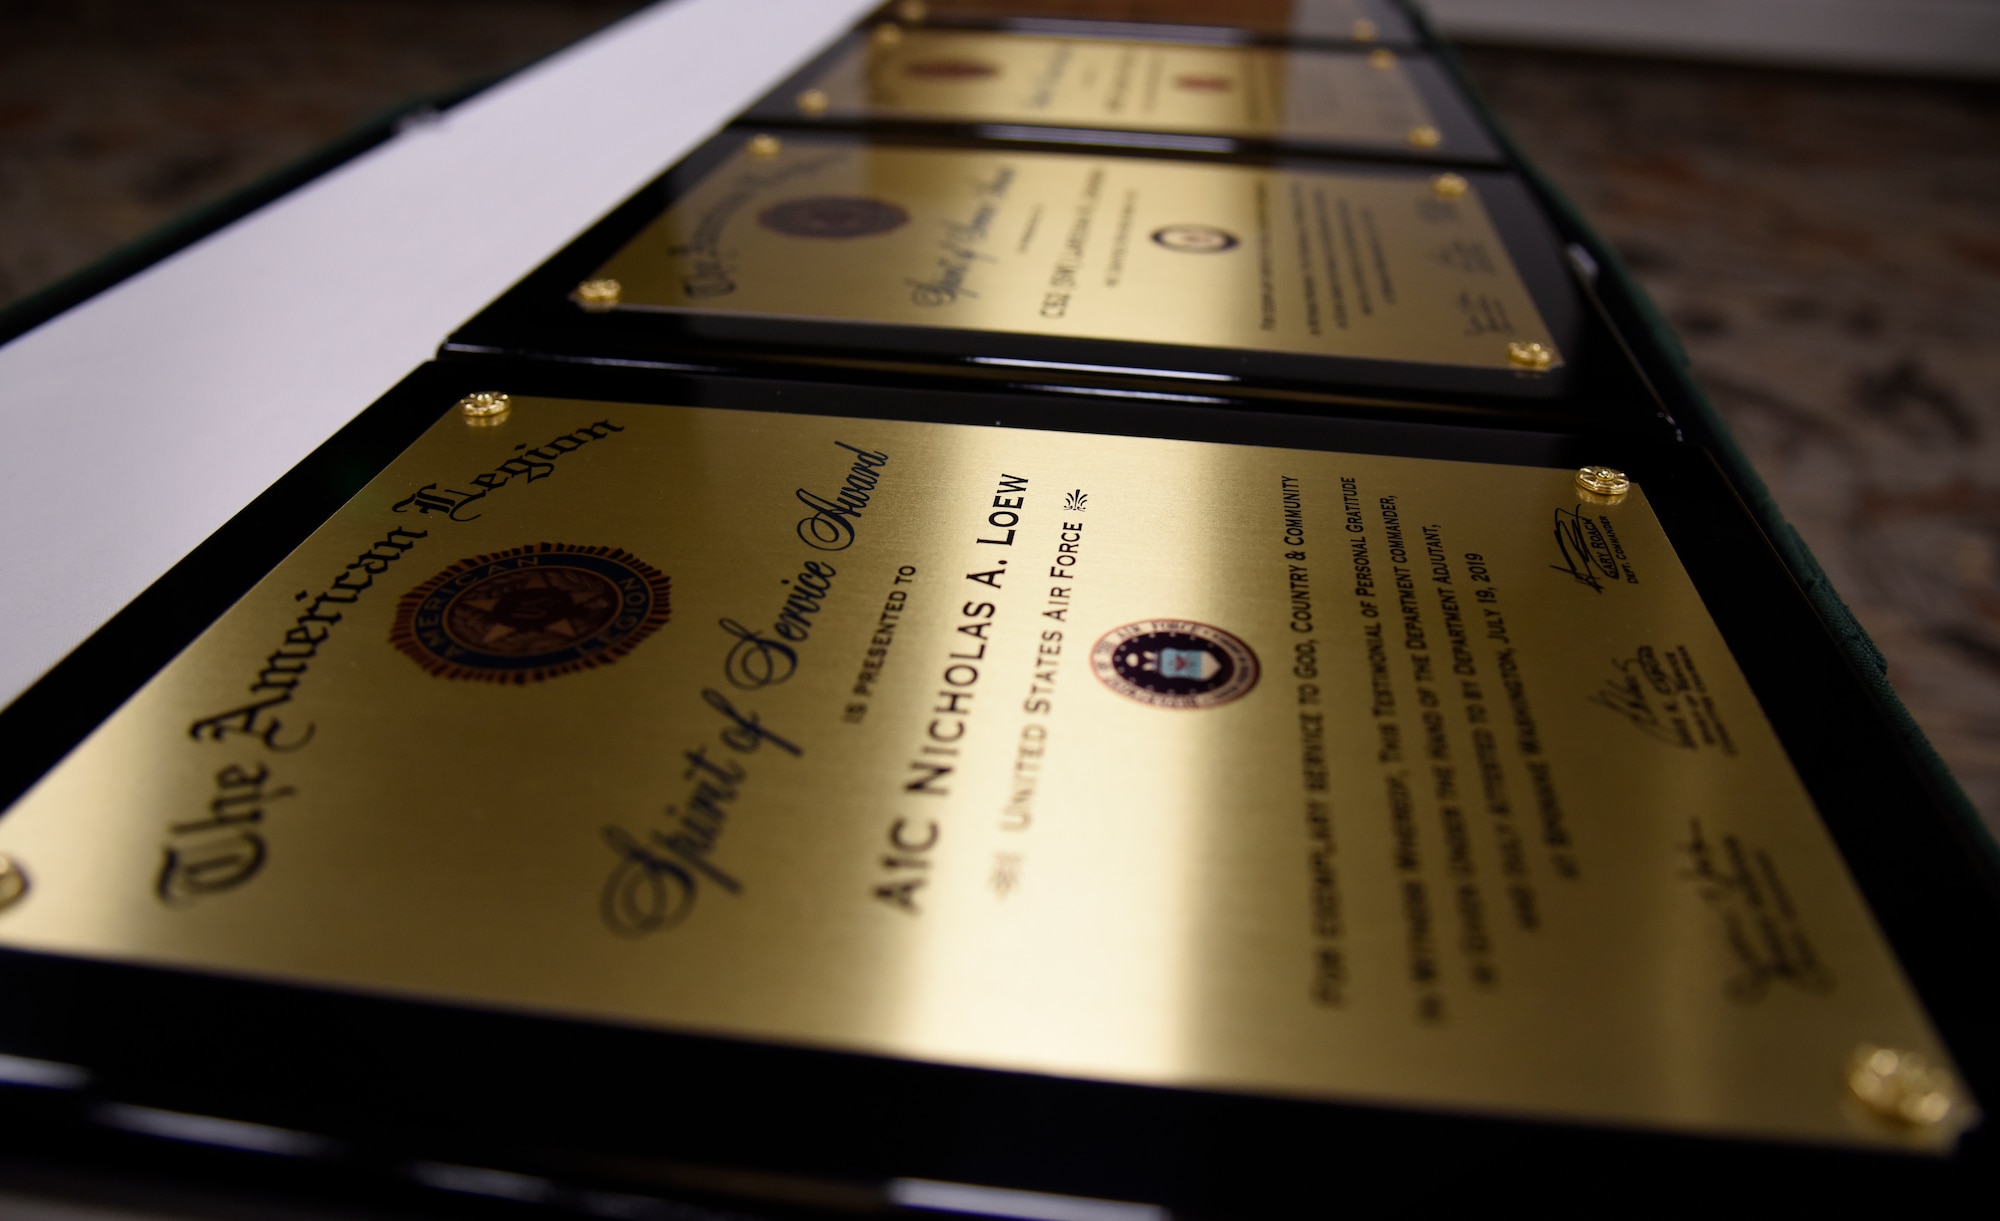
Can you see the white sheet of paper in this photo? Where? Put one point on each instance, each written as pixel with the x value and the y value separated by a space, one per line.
pixel 145 417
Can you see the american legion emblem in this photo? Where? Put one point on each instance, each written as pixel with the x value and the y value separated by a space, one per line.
pixel 531 613
pixel 833 216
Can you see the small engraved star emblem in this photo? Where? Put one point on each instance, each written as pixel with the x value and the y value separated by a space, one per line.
pixel 1006 876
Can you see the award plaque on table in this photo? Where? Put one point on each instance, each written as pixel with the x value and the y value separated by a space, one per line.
pixel 814 794
pixel 1304 276
pixel 1112 90
pixel 1363 23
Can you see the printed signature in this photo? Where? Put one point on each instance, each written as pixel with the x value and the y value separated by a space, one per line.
pixel 1587 556
pixel 1759 923
pixel 1643 693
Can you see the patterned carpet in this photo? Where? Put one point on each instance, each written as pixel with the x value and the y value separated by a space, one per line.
pixel 1828 247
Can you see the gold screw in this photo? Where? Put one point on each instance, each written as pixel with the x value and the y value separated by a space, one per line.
pixel 1449 186
pixel 599 296
pixel 764 145
pixel 484 408
pixel 1901 1086
pixel 1382 57
pixel 1530 355
pixel 813 102
pixel 1365 30
pixel 912 11
pixel 13 882
pixel 888 34
pixel 1603 481
pixel 1426 137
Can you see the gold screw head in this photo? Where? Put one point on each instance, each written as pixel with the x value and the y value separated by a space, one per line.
pixel 1450 186
pixel 598 296
pixel 1603 481
pixel 1901 1087
pixel 487 407
pixel 1382 58
pixel 1365 30
pixel 13 882
pixel 1536 356
pixel 888 34
pixel 813 102
pixel 912 11
pixel 1425 137
pixel 764 145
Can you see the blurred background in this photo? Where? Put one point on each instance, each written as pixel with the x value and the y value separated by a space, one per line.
pixel 1809 188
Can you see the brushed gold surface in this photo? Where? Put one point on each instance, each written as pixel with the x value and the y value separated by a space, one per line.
pixel 972 76
pixel 1495 823
pixel 1331 263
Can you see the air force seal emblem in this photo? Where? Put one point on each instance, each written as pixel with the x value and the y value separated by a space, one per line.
pixel 530 614
pixel 1174 663
pixel 1196 239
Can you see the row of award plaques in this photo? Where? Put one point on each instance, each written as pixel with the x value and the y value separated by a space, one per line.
pixel 925 668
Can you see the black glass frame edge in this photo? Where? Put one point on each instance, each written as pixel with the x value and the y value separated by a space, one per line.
pixel 324 1061
pixel 1466 140
pixel 537 316
pixel 1394 27
pixel 381 1083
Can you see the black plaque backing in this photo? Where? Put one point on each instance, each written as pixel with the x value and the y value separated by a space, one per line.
pixel 373 1098
pixel 539 317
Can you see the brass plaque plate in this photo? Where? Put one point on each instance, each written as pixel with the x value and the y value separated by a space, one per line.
pixel 1326 263
pixel 1246 769
pixel 1258 92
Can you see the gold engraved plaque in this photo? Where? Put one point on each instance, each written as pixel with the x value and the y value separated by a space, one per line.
pixel 1120 85
pixel 1194 765
pixel 1329 263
